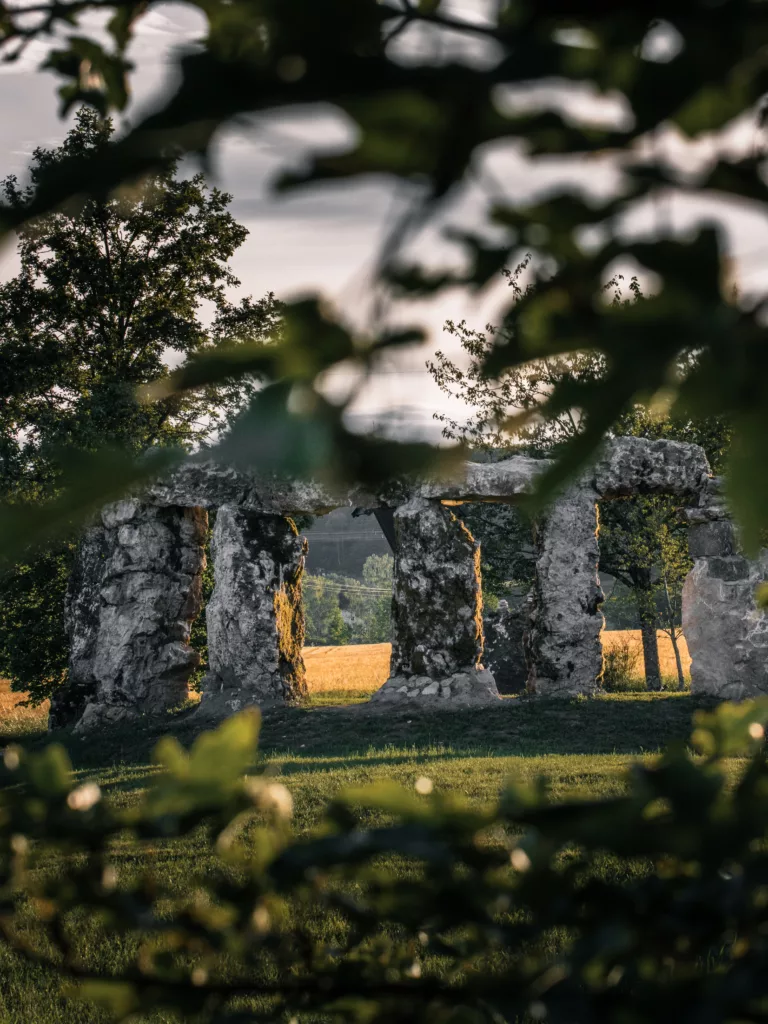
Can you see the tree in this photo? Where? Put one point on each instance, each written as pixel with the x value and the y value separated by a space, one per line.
pixel 107 296
pixel 632 550
pixel 491 433
pixel 378 572
pixel 434 123
pixel 324 622
pixel 342 610
pixel 675 564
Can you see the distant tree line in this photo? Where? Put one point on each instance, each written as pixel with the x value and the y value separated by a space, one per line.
pixel 343 610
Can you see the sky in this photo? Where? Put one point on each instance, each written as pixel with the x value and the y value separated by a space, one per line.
pixel 326 240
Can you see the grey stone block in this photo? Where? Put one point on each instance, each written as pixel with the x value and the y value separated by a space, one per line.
pixel 706 540
pixel 562 642
pixel 136 589
pixel 255 617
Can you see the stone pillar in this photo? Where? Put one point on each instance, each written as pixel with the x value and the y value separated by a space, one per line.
pixel 81 622
pixel 504 651
pixel 135 590
pixel 563 645
pixel 255 616
pixel 437 610
pixel 727 634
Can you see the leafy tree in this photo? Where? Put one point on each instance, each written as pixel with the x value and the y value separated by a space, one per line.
pixel 644 540
pixel 635 546
pixel 429 122
pixel 324 621
pixel 675 564
pixel 108 295
pixel 343 610
pixel 378 572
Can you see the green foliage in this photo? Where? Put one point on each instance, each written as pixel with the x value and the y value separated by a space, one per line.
pixel 33 646
pixel 342 610
pixel 324 624
pixel 104 292
pixel 378 572
pixel 428 122
pixel 505 910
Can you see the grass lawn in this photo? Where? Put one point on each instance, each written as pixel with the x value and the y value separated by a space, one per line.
pixel 583 746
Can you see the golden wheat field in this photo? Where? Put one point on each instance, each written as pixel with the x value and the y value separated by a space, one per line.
pixel 618 637
pixel 16 718
pixel 355 668
pixel 366 666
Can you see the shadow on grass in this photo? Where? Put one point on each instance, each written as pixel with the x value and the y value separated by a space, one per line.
pixel 609 724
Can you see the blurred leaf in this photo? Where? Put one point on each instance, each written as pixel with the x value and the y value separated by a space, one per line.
pixel 100 77
pixel 747 477
pixel 731 728
pixel 50 771
pixel 210 773
pixel 93 479
pixel 118 998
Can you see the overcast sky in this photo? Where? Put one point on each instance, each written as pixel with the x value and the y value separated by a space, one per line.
pixel 326 240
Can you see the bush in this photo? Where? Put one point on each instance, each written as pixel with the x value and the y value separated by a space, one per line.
pixel 620 663
pixel 645 907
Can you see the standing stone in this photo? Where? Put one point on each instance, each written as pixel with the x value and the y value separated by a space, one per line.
pixel 135 591
pixel 563 646
pixel 255 616
pixel 81 622
pixel 726 632
pixel 504 652
pixel 437 610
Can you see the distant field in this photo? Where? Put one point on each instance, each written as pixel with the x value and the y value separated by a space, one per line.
pixel 617 637
pixel 362 668
pixel 17 719
pixel 352 667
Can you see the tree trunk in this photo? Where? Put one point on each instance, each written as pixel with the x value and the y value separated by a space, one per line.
pixel 672 631
pixel 678 660
pixel 646 607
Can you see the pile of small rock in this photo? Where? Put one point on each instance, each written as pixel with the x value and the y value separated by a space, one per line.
pixel 473 686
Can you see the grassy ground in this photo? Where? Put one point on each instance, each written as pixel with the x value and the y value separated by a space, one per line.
pixel 583 747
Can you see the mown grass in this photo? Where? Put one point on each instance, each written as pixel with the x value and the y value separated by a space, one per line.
pixel 583 746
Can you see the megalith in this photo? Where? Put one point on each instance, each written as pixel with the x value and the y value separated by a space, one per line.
pixel 563 645
pixel 255 617
pixel 437 610
pixel 135 590
pixel 503 644
pixel 726 631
